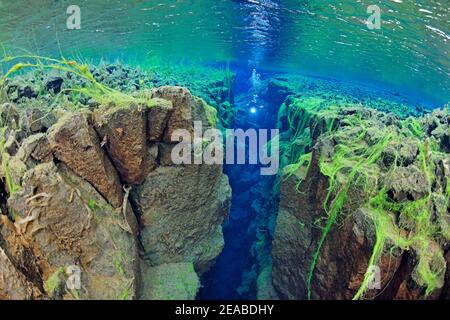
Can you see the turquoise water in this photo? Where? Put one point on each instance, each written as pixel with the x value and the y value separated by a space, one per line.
pixel 408 54
pixel 406 59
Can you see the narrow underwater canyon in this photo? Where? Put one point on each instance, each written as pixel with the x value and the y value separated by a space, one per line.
pixel 247 232
pixel 89 182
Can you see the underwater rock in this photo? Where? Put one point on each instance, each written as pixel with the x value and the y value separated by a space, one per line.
pixel 35 147
pixel 446 290
pixel 165 154
pixel 67 224
pixel 339 267
pixel 183 208
pixel 74 141
pixel 408 183
pixel 182 115
pixel 403 152
pixel 13 284
pixel 53 84
pixel 9 115
pixel 157 118
pixel 33 150
pixel 152 158
pixel 18 89
pixel 368 201
pixel 64 205
pixel 338 93
pixel 14 137
pixel 277 91
pixel 172 281
pixel 123 129
pixel 34 120
pixel 213 85
pixel 20 252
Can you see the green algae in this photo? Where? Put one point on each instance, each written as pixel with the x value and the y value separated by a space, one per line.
pixel 431 265
pixel 354 163
pixel 55 281
pixel 343 158
pixel 100 93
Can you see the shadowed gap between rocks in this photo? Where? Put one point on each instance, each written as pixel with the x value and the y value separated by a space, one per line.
pixel 243 271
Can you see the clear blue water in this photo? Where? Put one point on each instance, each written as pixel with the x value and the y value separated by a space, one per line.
pixel 409 55
pixel 229 278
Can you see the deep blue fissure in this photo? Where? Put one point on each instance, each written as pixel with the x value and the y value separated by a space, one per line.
pixel 234 274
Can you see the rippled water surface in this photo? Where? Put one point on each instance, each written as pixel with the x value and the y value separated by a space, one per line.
pixel 410 52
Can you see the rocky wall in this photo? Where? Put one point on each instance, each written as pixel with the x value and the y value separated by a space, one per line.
pixel 94 190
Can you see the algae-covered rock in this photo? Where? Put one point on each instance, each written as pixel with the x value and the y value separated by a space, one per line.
pixel 363 215
pixel 9 115
pixel 74 141
pixel 123 130
pixel 172 281
pixel 36 119
pixel 408 183
pixel 20 88
pixel 35 148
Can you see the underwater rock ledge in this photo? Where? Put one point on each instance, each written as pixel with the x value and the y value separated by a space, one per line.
pixel 95 189
pixel 364 203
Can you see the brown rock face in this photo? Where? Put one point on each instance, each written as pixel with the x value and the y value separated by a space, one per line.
pixel 157 117
pixel 13 284
pixel 182 212
pixel 68 224
pixel 123 129
pixel 182 114
pixel 74 141
pixel 65 212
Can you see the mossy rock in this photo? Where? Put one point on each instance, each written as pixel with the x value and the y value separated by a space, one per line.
pixel 173 281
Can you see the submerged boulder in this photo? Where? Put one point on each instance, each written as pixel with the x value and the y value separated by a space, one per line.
pixel 123 133
pixel 182 212
pixel 74 141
